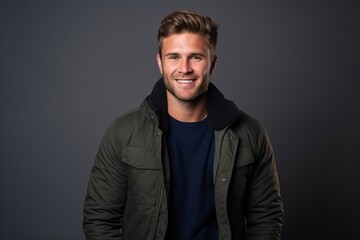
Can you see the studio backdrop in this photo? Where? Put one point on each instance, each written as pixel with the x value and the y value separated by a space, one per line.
pixel 69 68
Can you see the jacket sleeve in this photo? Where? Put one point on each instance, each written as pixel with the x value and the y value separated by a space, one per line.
pixel 106 193
pixel 264 203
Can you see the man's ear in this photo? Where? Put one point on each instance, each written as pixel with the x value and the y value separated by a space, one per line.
pixel 213 63
pixel 158 58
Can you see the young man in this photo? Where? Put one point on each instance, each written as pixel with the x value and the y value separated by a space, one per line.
pixel 187 164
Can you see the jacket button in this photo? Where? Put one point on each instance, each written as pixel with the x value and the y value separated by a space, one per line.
pixel 227 228
pixel 223 179
pixel 157 133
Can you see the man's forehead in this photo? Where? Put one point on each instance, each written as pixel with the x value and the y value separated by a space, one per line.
pixel 185 41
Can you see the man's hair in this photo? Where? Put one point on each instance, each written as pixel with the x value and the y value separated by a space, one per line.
pixel 188 21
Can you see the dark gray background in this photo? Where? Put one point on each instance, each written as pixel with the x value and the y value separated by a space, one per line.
pixel 68 68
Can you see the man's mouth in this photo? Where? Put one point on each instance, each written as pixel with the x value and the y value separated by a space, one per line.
pixel 184 80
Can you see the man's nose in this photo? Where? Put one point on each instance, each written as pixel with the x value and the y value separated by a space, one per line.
pixel 185 66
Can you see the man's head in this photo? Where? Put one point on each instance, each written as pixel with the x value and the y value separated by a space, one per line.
pixel 188 21
pixel 186 57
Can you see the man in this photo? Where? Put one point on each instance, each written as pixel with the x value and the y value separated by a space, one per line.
pixel 187 164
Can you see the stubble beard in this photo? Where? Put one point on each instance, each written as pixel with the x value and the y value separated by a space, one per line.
pixel 198 95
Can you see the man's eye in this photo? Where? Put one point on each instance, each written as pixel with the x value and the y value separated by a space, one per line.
pixel 174 57
pixel 195 58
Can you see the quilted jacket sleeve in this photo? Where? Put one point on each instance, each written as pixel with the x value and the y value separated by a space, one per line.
pixel 106 194
pixel 264 205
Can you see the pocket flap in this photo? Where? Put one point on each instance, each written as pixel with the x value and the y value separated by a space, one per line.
pixel 244 157
pixel 141 158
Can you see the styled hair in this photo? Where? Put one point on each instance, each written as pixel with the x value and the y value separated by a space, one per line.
pixel 188 21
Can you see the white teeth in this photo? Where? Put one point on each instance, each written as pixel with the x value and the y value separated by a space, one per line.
pixel 184 81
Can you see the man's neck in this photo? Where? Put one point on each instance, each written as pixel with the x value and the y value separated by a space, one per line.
pixel 187 111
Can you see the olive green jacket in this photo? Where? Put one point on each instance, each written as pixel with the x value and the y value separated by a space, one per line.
pixel 129 185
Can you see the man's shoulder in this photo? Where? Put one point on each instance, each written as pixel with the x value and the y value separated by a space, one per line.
pixel 247 125
pixel 134 117
pixel 246 120
pixel 128 116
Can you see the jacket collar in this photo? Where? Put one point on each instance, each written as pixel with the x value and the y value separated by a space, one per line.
pixel 221 112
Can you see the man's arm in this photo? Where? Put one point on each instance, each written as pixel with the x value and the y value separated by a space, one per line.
pixel 106 194
pixel 264 204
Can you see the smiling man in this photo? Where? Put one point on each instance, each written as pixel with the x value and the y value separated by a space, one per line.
pixel 186 62
pixel 187 164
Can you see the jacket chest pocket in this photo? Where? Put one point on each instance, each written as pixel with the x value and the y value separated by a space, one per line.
pixel 241 173
pixel 144 171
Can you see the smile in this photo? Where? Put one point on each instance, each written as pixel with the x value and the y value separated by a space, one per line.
pixel 184 81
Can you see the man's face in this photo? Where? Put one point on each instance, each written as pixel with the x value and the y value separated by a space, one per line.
pixel 186 65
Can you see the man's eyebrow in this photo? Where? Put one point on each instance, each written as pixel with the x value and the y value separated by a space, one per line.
pixel 197 54
pixel 171 54
pixel 191 54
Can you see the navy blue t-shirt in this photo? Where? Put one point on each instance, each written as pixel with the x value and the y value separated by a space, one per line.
pixel 192 206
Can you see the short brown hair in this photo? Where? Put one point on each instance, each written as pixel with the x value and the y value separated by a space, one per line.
pixel 188 21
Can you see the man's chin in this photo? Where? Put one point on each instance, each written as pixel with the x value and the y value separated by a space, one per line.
pixel 191 98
